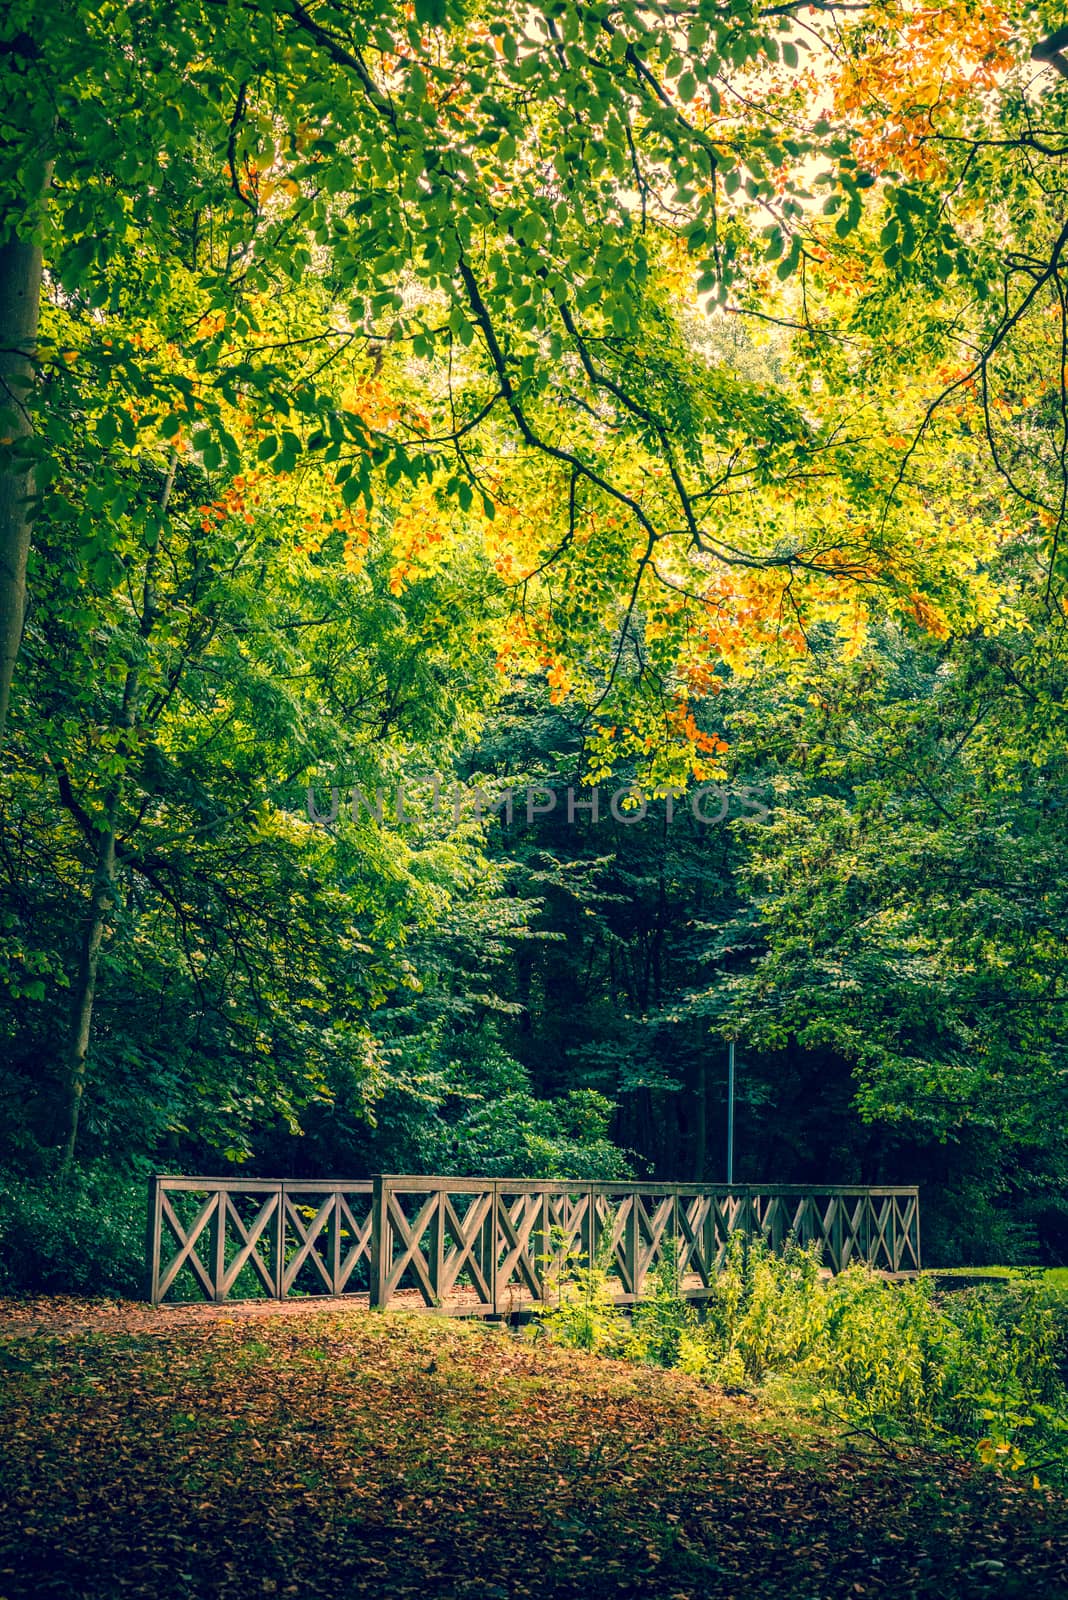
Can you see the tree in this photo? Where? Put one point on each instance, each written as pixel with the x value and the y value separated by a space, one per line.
pixel 187 671
pixel 389 364
pixel 21 266
pixel 522 200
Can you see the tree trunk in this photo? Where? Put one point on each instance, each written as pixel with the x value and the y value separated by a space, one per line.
pixel 100 904
pixel 20 302
pixel 104 889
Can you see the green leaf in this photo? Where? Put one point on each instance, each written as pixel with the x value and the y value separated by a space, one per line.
pixel 790 261
pixel 430 13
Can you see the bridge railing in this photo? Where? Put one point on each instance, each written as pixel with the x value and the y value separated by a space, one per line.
pixel 490 1246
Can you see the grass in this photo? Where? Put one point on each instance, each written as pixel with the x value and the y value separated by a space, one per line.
pixel 345 1453
pixel 1057 1276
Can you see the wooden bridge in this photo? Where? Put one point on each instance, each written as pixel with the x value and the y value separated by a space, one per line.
pixel 491 1246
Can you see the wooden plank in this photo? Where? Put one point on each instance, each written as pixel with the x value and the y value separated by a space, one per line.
pixel 325 1185
pixel 420 1182
pixel 219 1185
pixel 153 1241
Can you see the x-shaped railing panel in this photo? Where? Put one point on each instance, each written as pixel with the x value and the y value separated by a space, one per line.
pixel 187 1241
pixel 517 1220
pixel 467 1232
pixel 411 1236
pixel 307 1240
pixel 250 1237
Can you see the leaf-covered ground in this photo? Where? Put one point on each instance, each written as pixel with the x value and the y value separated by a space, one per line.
pixel 343 1453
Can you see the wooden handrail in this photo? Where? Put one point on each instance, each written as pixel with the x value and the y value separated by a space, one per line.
pixel 491 1246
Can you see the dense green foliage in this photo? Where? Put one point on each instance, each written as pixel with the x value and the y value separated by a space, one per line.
pixel 89 1241
pixel 486 397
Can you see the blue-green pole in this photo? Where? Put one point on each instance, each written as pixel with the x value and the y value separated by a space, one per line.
pixel 730 1113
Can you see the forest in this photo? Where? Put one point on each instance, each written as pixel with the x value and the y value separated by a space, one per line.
pixel 533 563
pixel 558 416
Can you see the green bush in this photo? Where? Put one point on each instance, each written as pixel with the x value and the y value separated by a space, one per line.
pixel 663 1320
pixel 581 1312
pixel 83 1236
pixel 982 1369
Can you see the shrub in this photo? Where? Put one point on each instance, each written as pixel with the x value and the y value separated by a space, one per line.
pixel 981 1369
pixel 83 1236
pixel 585 1315
pixel 663 1320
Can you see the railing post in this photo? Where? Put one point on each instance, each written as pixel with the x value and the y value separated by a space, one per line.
pixel 545 1264
pixel 381 1253
pixel 153 1243
pixel 677 1241
pixel 837 1234
pixel 640 1267
pixel 334 1241
pixel 436 1260
pixel 280 1244
pixel 485 1243
pixel 494 1236
pixel 748 1235
pixel 630 1243
pixel 218 1246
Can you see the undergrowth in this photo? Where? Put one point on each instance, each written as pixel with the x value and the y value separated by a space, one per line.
pixel 983 1369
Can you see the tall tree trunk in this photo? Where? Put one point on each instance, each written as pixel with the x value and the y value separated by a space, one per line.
pixel 104 890
pixel 20 303
pixel 100 904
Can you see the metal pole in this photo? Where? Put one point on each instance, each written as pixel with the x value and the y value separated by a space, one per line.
pixel 730 1113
